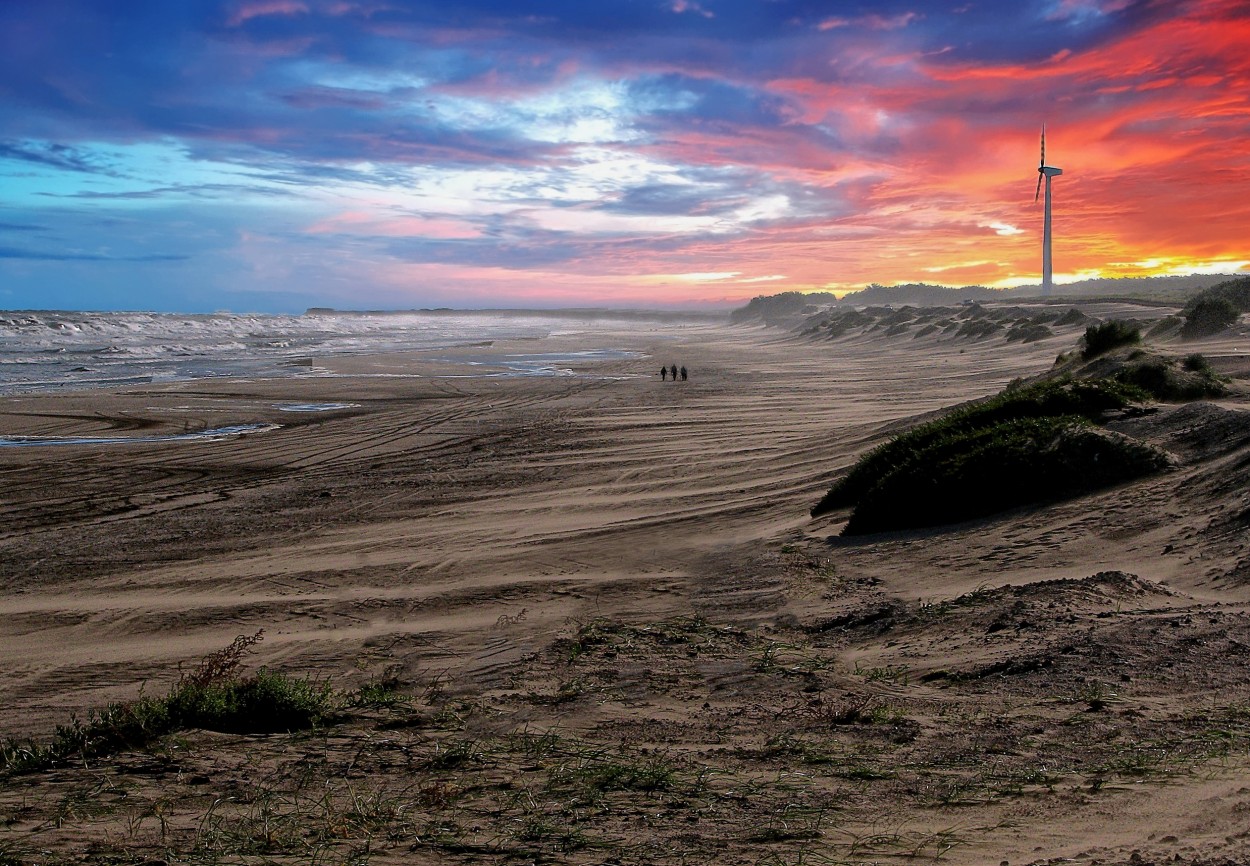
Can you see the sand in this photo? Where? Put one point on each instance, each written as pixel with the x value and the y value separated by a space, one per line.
pixel 629 566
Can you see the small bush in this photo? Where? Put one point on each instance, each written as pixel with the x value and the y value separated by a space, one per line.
pixel 267 702
pixel 1198 363
pixel 1028 332
pixel 1165 379
pixel 1100 339
pixel 1209 316
pixel 842 323
pixel 978 326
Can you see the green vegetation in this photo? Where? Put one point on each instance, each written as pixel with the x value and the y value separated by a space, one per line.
pixel 1088 399
pixel 213 697
pixel 1216 308
pixel 777 768
pixel 1167 379
pixel 1026 445
pixel 1235 291
pixel 1207 317
pixel 1100 339
pixel 1009 464
pixel 774 309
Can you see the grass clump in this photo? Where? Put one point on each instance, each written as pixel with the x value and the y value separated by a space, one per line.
pixel 1100 339
pixel 212 697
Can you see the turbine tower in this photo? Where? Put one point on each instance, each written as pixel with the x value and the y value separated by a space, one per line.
pixel 1045 171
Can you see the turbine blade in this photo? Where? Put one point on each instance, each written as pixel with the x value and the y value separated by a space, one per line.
pixel 1040 175
pixel 1043 162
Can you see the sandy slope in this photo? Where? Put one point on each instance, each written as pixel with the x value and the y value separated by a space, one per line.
pixel 457 528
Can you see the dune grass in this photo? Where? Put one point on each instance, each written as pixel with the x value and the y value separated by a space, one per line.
pixel 1025 445
pixel 1102 338
pixel 1087 399
pixel 1005 465
pixel 212 697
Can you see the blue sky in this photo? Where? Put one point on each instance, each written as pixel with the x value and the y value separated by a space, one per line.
pixel 270 155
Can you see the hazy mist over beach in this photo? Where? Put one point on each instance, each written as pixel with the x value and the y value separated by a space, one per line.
pixel 58 350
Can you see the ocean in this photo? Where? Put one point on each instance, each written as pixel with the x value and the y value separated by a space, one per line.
pixel 52 350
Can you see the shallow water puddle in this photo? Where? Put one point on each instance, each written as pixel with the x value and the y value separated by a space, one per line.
pixel 215 434
pixel 315 407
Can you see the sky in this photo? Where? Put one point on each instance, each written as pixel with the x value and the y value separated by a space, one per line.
pixel 271 155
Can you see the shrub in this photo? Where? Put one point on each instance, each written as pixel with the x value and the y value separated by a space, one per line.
pixel 1028 332
pixel 1235 291
pixel 840 324
pixel 978 326
pixel 987 470
pixel 1208 316
pixel 1198 363
pixel 1088 399
pixel 1100 339
pixel 1164 379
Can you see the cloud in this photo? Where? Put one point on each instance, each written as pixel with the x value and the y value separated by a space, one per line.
pixel 871 22
pixel 246 11
pixel 683 6
pixel 395 226
pixel 70 256
pixel 52 155
pixel 558 140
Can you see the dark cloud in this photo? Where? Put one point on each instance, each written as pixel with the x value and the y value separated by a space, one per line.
pixel 203 190
pixel 669 199
pixel 204 72
pixel 52 155
pixel 53 256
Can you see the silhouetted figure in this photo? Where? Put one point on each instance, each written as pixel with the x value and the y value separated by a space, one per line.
pixel 664 374
pixel 673 370
pixel 683 374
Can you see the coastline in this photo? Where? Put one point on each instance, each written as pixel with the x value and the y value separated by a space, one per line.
pixel 63 351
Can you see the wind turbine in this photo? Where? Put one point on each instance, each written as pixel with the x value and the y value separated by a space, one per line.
pixel 1045 171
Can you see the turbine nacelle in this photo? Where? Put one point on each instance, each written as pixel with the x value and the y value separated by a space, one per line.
pixel 1050 170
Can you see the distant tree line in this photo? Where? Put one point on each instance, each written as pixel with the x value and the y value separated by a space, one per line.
pixel 782 308
pixel 787 307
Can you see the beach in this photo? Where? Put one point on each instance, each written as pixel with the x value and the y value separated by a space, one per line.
pixel 629 564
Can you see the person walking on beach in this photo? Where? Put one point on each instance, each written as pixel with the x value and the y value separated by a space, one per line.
pixel 673 370
pixel 664 374
pixel 683 374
